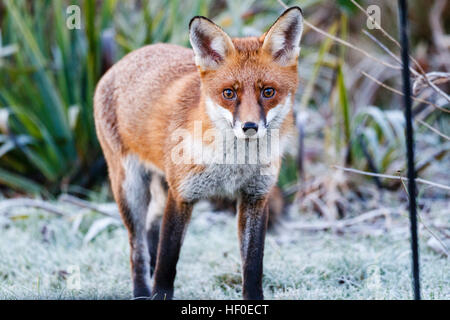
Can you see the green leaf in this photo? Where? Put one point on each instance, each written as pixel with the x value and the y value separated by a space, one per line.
pixel 18 182
pixel 54 106
pixel 344 104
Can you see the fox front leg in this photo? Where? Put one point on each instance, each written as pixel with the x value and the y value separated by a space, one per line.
pixel 175 220
pixel 252 224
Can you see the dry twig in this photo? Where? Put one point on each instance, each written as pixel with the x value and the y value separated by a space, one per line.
pixel 435 77
pixel 420 75
pixel 401 93
pixel 433 129
pixel 7 205
pixel 87 205
pixel 340 224
pixel 388 176
pixel 444 247
pixel 343 42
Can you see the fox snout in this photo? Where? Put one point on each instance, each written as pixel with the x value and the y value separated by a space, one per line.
pixel 249 118
pixel 250 129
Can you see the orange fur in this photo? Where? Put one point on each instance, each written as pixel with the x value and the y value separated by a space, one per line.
pixel 162 88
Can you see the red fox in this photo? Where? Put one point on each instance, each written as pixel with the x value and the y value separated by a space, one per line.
pixel 151 110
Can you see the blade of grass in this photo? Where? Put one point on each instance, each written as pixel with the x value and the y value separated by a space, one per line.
pixel 58 121
pixel 18 182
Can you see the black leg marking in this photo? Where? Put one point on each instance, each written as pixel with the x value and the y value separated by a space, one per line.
pixel 175 220
pixel 253 215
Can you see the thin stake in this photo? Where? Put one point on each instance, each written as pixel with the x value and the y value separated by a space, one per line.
pixel 403 14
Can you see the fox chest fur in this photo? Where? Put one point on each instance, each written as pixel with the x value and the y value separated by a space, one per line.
pixel 222 180
pixel 230 166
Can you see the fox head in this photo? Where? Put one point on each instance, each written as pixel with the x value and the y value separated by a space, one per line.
pixel 248 84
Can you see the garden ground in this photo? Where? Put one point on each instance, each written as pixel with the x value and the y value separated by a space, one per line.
pixel 40 256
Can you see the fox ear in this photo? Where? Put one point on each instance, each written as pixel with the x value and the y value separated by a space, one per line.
pixel 210 43
pixel 282 40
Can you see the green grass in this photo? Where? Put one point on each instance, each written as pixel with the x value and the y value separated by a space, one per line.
pixel 50 143
pixel 38 251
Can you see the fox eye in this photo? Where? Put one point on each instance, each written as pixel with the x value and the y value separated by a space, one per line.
pixel 268 92
pixel 229 94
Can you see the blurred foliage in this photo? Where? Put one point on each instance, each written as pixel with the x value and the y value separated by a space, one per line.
pixel 47 83
pixel 48 75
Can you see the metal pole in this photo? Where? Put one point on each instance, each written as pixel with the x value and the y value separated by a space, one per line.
pixel 403 14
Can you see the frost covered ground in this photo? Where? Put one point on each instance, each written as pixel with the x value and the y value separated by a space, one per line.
pixel 40 256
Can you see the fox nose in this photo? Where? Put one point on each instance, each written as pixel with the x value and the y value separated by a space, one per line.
pixel 250 128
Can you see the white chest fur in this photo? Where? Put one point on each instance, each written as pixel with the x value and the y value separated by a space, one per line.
pixel 224 180
pixel 239 167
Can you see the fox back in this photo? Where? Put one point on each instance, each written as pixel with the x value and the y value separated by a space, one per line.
pixel 179 125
